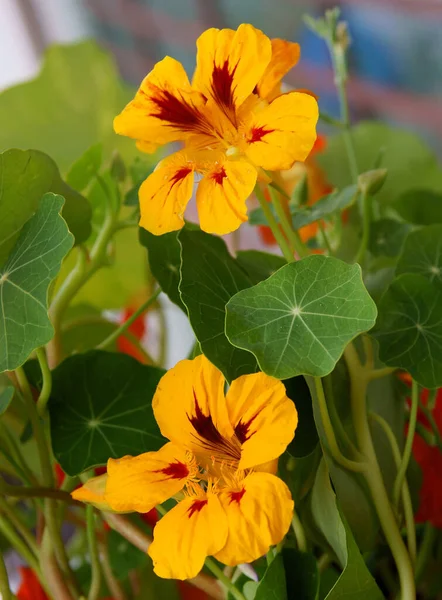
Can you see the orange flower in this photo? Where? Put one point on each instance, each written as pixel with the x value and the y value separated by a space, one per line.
pixel 232 121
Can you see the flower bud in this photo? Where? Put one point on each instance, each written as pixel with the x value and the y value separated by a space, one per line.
pixel 372 181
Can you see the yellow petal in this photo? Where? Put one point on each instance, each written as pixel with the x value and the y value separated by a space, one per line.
pixel 148 147
pixel 186 535
pixel 230 63
pixel 283 132
pixel 263 417
pixel 92 492
pixel 258 514
pixel 165 108
pixel 221 196
pixel 139 483
pixel 190 407
pixel 285 55
pixel 165 194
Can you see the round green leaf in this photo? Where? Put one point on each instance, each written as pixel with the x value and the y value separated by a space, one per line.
pixel 85 168
pixel 259 265
pixel 421 207
pixel 387 237
pixel 301 574
pixel 100 408
pixel 409 328
pixel 306 437
pixel 301 318
pixel 273 585
pixel 24 281
pixel 422 254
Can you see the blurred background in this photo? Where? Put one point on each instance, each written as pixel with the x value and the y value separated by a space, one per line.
pixel 396 55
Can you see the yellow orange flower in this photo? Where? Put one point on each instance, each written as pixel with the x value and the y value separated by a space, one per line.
pixel 219 464
pixel 232 121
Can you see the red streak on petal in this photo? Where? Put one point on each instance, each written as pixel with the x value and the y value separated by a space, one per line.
pixel 176 111
pixel 258 133
pixel 176 470
pixel 180 174
pixel 219 176
pixel 242 430
pixel 222 84
pixel 196 506
pixel 237 496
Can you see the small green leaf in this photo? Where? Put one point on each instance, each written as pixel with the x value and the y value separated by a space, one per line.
pixel 273 585
pixel 140 171
pixel 422 254
pixel 301 574
pixel 421 207
pixel 409 328
pixel 85 168
pixel 259 265
pixel 306 437
pixel 387 237
pixel 301 318
pixel 164 253
pixel 209 278
pixel 101 407
pixel 5 398
pixel 25 176
pixel 355 581
pixel 24 281
pixel 325 207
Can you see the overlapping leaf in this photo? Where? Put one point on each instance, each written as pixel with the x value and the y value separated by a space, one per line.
pixel 101 407
pixel 327 206
pixel 409 328
pixel 420 206
pixel 301 318
pixel 25 277
pixel 259 265
pixel 387 237
pixel 273 585
pixel 422 254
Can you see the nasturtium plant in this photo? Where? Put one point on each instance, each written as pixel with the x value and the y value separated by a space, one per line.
pixel 187 415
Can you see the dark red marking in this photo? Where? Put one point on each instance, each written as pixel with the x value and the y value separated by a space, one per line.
pixel 176 470
pixel 242 430
pixel 176 111
pixel 196 506
pixel 237 496
pixel 180 174
pixel 222 84
pixel 219 176
pixel 258 133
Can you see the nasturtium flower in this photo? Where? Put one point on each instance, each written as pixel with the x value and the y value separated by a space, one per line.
pixel 219 464
pixel 232 120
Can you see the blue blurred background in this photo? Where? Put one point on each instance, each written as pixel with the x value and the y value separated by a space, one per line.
pixel 396 54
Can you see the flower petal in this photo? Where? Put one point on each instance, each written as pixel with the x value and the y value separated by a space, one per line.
pixel 282 132
pixel 230 63
pixel 190 407
pixel 165 108
pixel 141 482
pixel 165 194
pixel 258 514
pixel 186 535
pixel 92 492
pixel 221 196
pixel 285 55
pixel 263 417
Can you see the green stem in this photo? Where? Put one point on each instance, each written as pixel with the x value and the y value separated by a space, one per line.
pixel 115 588
pixel 47 382
pixel 402 471
pixel 330 120
pixel 279 237
pixel 94 590
pixel 380 373
pixel 425 550
pixel 219 574
pixel 18 544
pixel 5 590
pixel 435 429
pixel 299 532
pixel 332 443
pixel 405 491
pixel 291 234
pixel 336 420
pixel 366 224
pixel 358 383
pixel 54 577
pixel 15 457
pixel 22 529
pixel 325 238
pixel 15 491
pixel 116 334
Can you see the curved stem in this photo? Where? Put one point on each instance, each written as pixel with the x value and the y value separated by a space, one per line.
pixel 115 588
pixel 279 237
pixel 359 379
pixel 291 234
pixel 124 326
pixel 47 381
pixel 332 443
pixel 366 223
pixel 5 590
pixel 18 544
pixel 94 590
pixel 406 499
pixel 402 471
pixel 299 532
pixel 425 550
pixel 24 531
pixel 219 574
pixel 383 372
pixel 16 491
